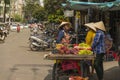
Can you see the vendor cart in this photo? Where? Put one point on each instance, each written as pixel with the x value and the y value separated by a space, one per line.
pixel 79 69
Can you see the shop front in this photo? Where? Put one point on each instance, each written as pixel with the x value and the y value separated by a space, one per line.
pixel 91 11
pixel 115 26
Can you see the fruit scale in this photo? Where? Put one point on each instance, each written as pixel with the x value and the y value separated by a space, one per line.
pixel 67 65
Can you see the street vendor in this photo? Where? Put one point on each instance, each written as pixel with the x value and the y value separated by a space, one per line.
pixel 63 35
pixel 98 47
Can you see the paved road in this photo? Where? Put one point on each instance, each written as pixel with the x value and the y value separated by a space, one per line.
pixel 17 62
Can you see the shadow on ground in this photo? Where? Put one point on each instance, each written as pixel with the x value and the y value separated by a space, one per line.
pixel 110 74
pixel 28 72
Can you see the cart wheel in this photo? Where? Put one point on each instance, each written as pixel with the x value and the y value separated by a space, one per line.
pixel 54 72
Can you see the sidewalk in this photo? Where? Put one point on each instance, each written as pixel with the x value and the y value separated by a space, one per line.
pixel 111 71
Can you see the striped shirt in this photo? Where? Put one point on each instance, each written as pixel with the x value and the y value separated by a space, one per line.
pixel 98 45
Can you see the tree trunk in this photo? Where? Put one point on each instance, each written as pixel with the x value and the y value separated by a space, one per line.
pixel 4 13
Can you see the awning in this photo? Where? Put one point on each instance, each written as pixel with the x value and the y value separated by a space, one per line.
pixel 78 5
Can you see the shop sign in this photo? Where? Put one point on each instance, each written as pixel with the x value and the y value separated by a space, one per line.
pixel 69 13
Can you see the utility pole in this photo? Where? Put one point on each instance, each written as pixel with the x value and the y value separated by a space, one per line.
pixel 5 2
pixel 4 16
pixel 89 12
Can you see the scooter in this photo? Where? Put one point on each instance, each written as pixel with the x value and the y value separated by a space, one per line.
pixel 40 44
pixel 2 35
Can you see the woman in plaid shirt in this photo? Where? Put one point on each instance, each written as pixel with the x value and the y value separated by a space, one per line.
pixel 98 47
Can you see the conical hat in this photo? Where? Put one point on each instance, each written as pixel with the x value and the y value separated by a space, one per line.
pixel 91 26
pixel 63 23
pixel 100 25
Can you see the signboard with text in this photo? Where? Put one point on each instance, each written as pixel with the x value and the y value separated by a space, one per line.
pixel 69 13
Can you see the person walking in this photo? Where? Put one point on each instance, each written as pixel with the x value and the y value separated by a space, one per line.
pixel 98 47
pixel 18 28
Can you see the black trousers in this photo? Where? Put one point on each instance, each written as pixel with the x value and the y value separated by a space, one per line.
pixel 98 65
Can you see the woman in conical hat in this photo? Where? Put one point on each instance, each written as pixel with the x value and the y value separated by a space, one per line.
pixel 90 34
pixel 90 26
pixel 63 31
pixel 66 25
pixel 98 47
pixel 100 25
pixel 90 37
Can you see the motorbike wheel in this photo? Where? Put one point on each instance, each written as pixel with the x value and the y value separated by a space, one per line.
pixel 3 38
pixel 33 48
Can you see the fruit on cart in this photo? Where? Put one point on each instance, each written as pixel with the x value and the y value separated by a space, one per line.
pixel 83 46
pixel 78 78
pixel 58 46
pixel 85 52
pixel 82 49
pixel 74 51
pixel 75 45
pixel 68 52
pixel 63 50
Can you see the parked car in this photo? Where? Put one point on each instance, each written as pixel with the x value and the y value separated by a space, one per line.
pixel 13 27
pixel 26 25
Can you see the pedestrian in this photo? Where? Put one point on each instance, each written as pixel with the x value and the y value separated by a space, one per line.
pixel 89 40
pixel 18 28
pixel 63 34
pixel 98 47
pixel 90 34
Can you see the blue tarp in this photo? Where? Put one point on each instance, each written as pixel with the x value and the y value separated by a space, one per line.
pixel 85 5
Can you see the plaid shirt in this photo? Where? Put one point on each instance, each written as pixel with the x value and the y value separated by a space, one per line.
pixel 98 45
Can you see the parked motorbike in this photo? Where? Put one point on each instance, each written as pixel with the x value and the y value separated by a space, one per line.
pixel 41 42
pixel 2 35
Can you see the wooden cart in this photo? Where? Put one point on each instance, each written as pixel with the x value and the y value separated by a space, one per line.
pixel 81 59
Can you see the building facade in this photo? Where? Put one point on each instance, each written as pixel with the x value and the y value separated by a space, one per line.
pixel 17 7
pixel 2 10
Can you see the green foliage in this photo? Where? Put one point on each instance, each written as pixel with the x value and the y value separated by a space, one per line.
pixel 35 11
pixel 39 14
pixel 54 10
pixel 57 17
pixel 29 9
pixel 17 18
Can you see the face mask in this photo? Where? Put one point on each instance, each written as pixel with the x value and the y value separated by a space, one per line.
pixel 87 29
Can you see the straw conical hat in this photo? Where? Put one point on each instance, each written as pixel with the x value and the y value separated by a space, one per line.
pixel 91 26
pixel 100 25
pixel 63 23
